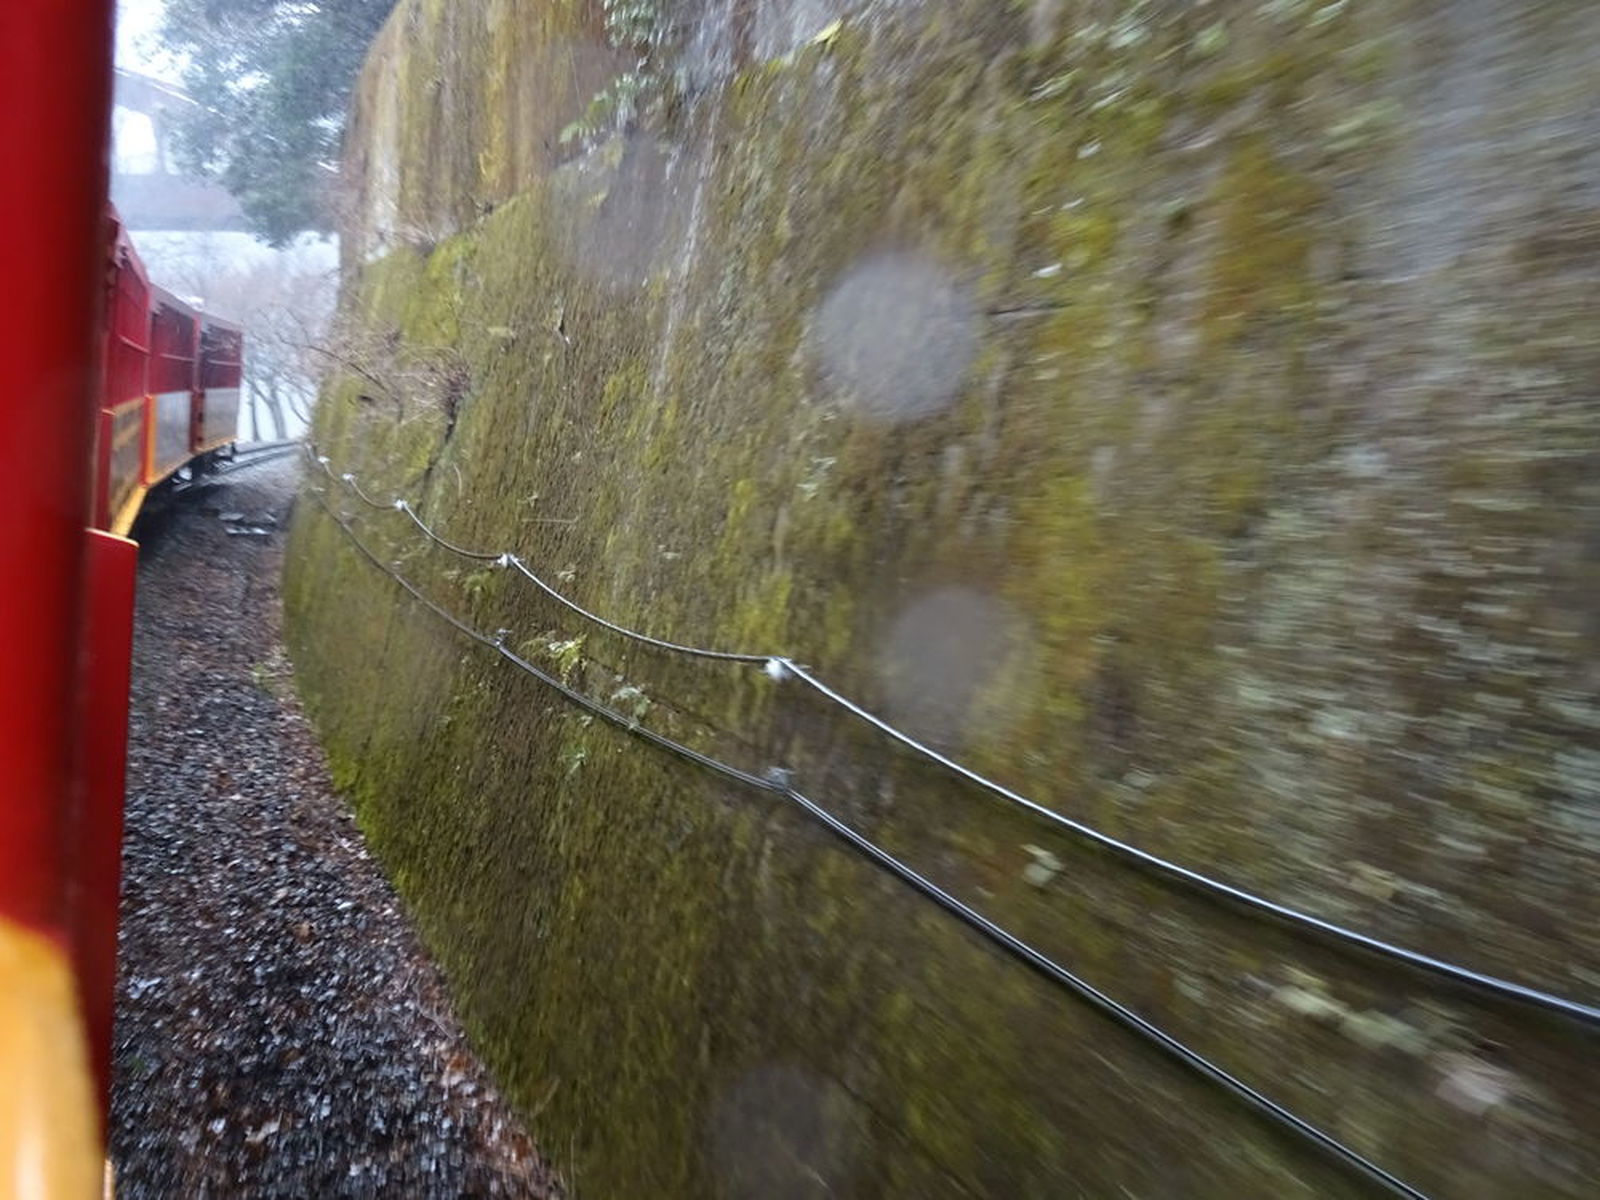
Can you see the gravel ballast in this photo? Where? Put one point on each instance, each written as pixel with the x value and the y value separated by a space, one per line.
pixel 280 1029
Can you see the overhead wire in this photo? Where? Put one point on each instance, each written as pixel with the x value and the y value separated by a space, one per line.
pixel 1118 1011
pixel 479 555
pixel 778 665
pixel 775 783
pixel 1466 976
pixel 517 564
pixel 363 497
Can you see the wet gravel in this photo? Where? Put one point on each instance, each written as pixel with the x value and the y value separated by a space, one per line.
pixel 280 1030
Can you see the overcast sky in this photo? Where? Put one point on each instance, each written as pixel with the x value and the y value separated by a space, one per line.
pixel 136 49
pixel 133 143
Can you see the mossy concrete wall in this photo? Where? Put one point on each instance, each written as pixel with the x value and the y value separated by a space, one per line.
pixel 1189 413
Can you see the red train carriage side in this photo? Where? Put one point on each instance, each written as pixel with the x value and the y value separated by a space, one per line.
pixel 173 373
pixel 66 615
pixel 84 361
pixel 170 390
pixel 123 424
pixel 216 422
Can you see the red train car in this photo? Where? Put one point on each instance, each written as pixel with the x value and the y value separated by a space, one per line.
pixel 65 614
pixel 123 456
pixel 172 378
pixel 216 413
pixel 81 367
pixel 173 369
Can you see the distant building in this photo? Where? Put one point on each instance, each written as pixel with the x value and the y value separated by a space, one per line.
pixel 148 192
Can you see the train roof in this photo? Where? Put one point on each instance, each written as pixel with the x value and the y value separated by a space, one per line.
pixel 212 321
pixel 160 296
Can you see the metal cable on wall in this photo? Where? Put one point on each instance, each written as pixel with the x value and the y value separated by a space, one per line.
pixel 781 666
pixel 776 783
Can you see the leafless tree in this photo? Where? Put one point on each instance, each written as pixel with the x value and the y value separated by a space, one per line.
pixel 283 299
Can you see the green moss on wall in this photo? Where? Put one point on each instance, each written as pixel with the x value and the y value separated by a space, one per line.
pixel 1287 552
